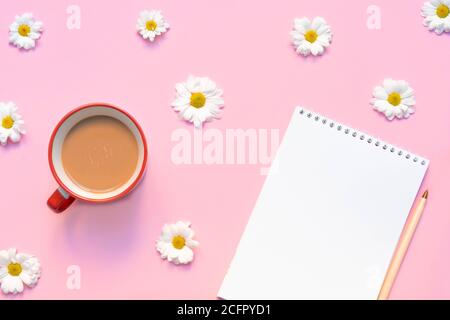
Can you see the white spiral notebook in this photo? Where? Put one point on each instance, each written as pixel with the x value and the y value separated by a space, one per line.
pixel 329 216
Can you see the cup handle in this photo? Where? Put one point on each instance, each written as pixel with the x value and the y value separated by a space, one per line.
pixel 60 200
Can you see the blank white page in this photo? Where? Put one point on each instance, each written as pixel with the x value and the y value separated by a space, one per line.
pixel 328 218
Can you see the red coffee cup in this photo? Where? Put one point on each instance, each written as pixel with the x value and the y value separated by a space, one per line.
pixel 68 190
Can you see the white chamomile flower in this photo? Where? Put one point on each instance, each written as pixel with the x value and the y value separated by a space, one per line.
pixel 198 100
pixel 437 15
pixel 24 31
pixel 176 243
pixel 11 123
pixel 395 98
pixel 151 24
pixel 311 37
pixel 17 269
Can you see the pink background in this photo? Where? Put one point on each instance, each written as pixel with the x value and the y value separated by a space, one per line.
pixel 245 47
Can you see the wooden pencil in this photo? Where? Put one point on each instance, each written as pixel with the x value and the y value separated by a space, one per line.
pixel 402 247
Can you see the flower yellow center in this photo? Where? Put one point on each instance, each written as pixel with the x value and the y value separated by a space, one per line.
pixel 443 11
pixel 394 98
pixel 178 242
pixel 151 25
pixel 14 269
pixel 198 100
pixel 24 30
pixel 7 122
pixel 311 36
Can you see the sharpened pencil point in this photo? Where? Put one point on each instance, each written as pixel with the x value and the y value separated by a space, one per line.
pixel 425 195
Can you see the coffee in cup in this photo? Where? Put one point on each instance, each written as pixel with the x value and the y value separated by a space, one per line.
pixel 97 153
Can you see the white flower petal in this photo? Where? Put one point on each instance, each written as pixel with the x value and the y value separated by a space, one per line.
pixel 37 26
pixel 3 139
pixel 12 255
pixel 187 233
pixel 317 23
pixel 389 113
pixel 147 15
pixel 168 251
pixel 32 264
pixel 323 40
pixel 432 20
pixel 380 101
pixel 192 243
pixel 23 257
pixel 172 253
pixel 409 101
pixel 302 24
pixel 186 255
pixel 4 258
pixel 28 278
pixel 401 86
pixel 34 35
pixel 31 271
pixel 317 49
pixel 398 112
pixel 213 102
pixel 3 272
pixel 380 93
pixel 381 105
pixel 182 90
pixel 409 92
pixel 162 248
pixel 28 41
pixel 410 110
pixel 389 85
pixel 14 136
pixel 11 284
pixel 15 132
pixel 303 46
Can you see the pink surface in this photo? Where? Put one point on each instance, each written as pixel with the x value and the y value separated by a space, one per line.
pixel 245 47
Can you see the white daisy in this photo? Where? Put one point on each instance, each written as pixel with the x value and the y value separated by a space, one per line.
pixel 17 269
pixel 11 125
pixel 198 100
pixel 24 31
pixel 311 37
pixel 176 243
pixel 151 24
pixel 395 98
pixel 437 15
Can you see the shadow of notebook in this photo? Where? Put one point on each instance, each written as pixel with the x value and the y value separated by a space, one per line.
pixel 328 218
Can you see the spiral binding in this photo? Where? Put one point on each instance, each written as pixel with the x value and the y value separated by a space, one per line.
pixel 362 136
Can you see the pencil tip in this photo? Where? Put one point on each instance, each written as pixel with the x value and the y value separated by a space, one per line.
pixel 425 195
